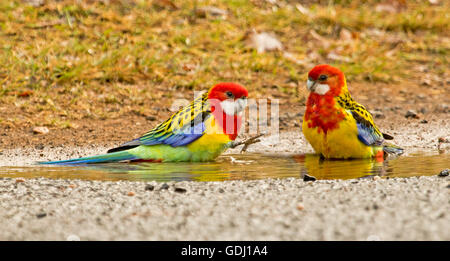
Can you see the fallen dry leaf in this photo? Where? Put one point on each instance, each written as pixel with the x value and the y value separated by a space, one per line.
pixel 40 130
pixel 393 6
pixel 210 10
pixel 303 9
pixel 263 42
pixel 385 8
pixel 35 3
pixel 164 4
pixel 188 67
pixel 291 57
pixel 324 41
pixel 345 35
pixel 25 93
pixel 336 57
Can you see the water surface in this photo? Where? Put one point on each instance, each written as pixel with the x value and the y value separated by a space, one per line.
pixel 243 167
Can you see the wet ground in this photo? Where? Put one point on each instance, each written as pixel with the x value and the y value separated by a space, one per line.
pixel 286 155
pixel 244 167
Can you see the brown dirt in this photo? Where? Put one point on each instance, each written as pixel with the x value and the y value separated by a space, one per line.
pixel 390 101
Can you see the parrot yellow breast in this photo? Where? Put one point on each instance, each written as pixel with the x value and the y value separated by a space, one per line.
pixel 211 144
pixel 341 142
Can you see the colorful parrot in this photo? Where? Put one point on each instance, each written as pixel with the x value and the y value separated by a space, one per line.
pixel 198 132
pixel 337 126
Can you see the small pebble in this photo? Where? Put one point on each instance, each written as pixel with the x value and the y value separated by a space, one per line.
pixel 164 186
pixel 411 114
pixel 39 147
pixel 442 108
pixel 180 190
pixel 20 180
pixel 378 114
pixel 376 177
pixel 308 178
pixel 423 121
pixel 443 140
pixel 300 207
pixel 41 215
pixel 444 173
pixel 221 190
pixel 131 193
pixel 149 187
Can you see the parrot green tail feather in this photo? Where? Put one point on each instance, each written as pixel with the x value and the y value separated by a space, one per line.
pixel 153 153
pixel 110 157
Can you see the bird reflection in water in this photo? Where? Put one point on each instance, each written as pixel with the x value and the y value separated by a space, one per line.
pixel 320 168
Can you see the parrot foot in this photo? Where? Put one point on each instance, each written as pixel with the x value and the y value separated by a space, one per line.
pixel 247 142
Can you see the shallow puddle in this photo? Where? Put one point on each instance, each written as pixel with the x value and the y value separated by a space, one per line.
pixel 243 167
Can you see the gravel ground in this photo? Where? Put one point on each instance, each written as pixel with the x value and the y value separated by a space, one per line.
pixel 271 209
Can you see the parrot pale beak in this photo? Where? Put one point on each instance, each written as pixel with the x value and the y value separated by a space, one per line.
pixel 311 85
pixel 240 104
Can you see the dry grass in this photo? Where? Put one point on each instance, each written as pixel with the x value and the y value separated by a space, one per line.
pixel 67 60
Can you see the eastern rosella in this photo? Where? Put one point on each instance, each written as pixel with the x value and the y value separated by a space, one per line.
pixel 336 125
pixel 198 132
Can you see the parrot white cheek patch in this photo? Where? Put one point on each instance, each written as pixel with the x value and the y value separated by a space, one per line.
pixel 228 107
pixel 322 89
pixel 233 107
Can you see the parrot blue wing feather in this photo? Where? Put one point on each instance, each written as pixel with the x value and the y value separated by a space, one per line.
pixel 367 132
pixel 367 135
pixel 184 136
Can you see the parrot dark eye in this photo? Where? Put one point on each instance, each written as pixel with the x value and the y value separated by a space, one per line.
pixel 229 94
pixel 323 77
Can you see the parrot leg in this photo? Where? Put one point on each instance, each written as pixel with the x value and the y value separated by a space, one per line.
pixel 247 142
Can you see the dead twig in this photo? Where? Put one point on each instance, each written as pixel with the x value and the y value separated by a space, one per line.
pixel 247 142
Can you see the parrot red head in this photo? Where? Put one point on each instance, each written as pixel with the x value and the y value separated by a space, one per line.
pixel 228 101
pixel 324 79
pixel 231 96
